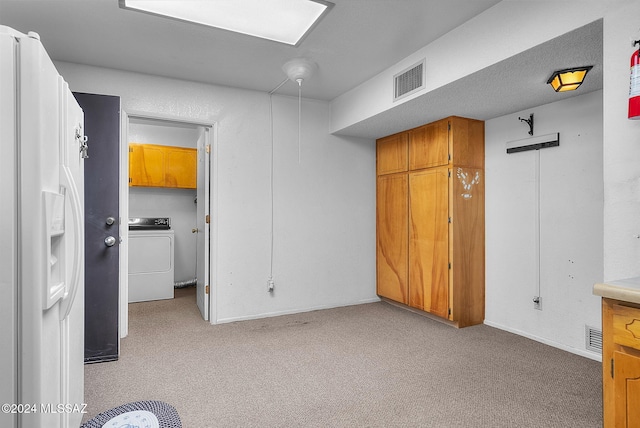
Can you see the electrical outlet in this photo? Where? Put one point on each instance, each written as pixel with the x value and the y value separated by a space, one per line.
pixel 537 303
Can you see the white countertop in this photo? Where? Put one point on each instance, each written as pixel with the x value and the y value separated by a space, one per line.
pixel 626 290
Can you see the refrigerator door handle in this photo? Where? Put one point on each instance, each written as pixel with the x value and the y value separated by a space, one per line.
pixel 68 182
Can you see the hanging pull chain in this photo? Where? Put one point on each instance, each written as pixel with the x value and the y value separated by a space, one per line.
pixel 299 116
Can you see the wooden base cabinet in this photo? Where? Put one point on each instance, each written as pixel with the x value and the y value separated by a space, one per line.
pixel 621 363
pixel 430 219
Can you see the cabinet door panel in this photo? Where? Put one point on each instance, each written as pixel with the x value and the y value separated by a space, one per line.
pixel 392 154
pixel 392 213
pixel 627 390
pixel 181 168
pixel 429 241
pixel 429 145
pixel 146 165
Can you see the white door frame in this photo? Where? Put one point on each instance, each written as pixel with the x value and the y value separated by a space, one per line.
pixel 125 117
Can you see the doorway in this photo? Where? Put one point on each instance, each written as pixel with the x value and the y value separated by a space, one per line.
pixel 184 201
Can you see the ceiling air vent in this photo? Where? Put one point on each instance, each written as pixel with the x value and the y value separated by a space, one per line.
pixel 593 338
pixel 408 81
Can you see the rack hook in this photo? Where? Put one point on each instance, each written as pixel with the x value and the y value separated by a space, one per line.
pixel 529 122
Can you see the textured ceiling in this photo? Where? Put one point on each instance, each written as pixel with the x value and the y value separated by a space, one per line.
pixel 512 85
pixel 355 41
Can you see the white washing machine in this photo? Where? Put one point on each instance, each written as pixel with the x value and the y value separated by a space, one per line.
pixel 151 263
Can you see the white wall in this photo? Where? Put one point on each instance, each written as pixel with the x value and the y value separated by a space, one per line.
pixel 571 224
pixel 621 148
pixel 178 204
pixel 324 241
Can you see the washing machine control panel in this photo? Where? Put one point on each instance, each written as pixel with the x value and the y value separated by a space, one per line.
pixel 149 223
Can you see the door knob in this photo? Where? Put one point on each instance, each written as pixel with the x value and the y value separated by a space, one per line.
pixel 110 221
pixel 195 230
pixel 109 241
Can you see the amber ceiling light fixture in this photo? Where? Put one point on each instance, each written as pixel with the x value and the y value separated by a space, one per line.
pixel 568 79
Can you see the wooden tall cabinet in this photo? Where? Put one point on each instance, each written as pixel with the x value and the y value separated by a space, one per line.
pixel 430 219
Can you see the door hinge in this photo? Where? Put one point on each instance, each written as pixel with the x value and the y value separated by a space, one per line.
pixel 612 368
pixel 449 265
pixel 130 180
pixel 206 219
pixel 206 289
pixel 449 219
pixel 207 148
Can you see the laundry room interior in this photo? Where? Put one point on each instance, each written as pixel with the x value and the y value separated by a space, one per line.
pixel 162 208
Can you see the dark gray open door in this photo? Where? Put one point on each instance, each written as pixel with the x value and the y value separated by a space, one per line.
pixel 102 224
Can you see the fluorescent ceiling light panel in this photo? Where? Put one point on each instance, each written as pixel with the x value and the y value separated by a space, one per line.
pixel 285 21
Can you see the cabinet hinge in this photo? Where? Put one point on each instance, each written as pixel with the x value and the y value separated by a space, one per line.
pixel 449 219
pixel 449 311
pixel 449 158
pixel 612 368
pixel 207 148
pixel 130 180
pixel 449 265
pixel 130 149
pixel 206 289
pixel 449 126
pixel 206 219
pixel 449 173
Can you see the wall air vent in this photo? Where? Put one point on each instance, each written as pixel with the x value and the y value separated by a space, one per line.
pixel 593 339
pixel 409 81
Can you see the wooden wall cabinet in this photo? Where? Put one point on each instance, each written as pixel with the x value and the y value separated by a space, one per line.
pixel 152 165
pixel 430 219
pixel 621 363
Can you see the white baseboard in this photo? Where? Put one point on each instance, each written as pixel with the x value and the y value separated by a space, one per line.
pixel 581 352
pixel 291 311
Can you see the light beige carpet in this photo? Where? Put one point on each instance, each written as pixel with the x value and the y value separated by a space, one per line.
pixel 370 365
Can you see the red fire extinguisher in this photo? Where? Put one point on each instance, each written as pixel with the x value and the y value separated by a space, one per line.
pixel 634 84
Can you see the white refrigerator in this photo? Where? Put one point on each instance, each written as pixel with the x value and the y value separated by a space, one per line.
pixel 42 147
